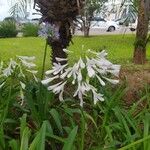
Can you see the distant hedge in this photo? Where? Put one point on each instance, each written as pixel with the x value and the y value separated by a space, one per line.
pixel 8 29
pixel 30 30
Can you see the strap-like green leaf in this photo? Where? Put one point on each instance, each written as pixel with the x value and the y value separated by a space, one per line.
pixel 70 140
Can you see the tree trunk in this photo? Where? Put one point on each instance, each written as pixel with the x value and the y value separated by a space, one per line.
pixel 57 51
pixel 142 32
pixel 86 31
pixel 140 55
pixel 61 43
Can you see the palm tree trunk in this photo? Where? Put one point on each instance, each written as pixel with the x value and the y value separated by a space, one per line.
pixel 61 13
pixel 142 32
pixel 61 43
pixel 86 31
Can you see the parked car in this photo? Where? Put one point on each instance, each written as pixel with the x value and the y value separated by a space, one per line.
pixel 131 23
pixel 133 26
pixel 122 21
pixel 100 23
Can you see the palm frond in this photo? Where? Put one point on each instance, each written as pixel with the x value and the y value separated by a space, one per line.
pixel 20 7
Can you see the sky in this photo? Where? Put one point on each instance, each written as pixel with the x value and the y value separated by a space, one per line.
pixel 4 9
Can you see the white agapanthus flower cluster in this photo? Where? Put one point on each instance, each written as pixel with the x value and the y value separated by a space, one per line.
pixel 81 74
pixel 24 63
pixel 9 70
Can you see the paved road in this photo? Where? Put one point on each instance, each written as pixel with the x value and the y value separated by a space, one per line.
pixel 122 30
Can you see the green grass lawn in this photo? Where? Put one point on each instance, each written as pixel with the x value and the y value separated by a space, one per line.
pixel 119 48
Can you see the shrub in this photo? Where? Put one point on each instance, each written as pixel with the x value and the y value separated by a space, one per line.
pixel 30 29
pixel 8 29
pixel 10 19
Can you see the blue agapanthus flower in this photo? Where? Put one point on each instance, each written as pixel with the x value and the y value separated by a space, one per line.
pixel 49 30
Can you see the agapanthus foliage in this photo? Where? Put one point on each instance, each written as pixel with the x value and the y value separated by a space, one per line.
pixel 80 75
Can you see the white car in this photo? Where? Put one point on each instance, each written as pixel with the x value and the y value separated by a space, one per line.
pixel 129 23
pixel 133 25
pixel 100 23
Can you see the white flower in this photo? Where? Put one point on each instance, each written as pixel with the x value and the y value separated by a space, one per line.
pixel 28 64
pixel 1 66
pixel 67 51
pixel 27 61
pixel 23 86
pixel 81 63
pixel 81 98
pixel 21 74
pixel 61 95
pixel 113 81
pixel 63 75
pixel 115 69
pixel 48 80
pixel 12 63
pixel 74 71
pixel 56 69
pixel 97 97
pixel 32 71
pixel 90 64
pixel 60 59
pixel 10 69
pixel 7 71
pixel 26 58
pixel 1 85
pixel 58 89
pixel 91 71
pixel 17 69
pixel 81 74
pixel 102 54
pixel 81 90
pixel 100 71
pixel 100 81
pixel 103 63
pixel 51 87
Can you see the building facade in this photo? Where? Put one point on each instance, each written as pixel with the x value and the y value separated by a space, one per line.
pixel 115 9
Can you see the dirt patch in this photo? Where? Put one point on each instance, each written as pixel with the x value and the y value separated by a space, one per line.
pixel 136 80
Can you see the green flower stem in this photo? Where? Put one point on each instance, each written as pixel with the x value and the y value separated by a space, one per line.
pixel 44 60
pixel 82 129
